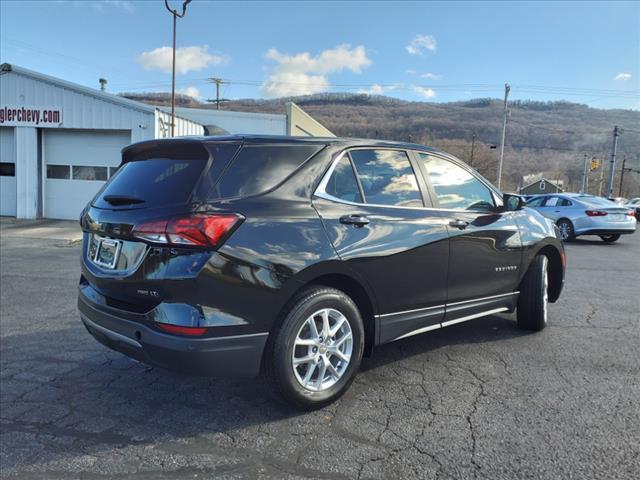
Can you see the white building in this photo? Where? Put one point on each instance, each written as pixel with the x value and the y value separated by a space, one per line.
pixel 59 141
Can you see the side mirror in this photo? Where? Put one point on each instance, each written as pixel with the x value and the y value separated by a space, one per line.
pixel 512 202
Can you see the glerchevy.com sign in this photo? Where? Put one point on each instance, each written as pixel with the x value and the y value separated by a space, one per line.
pixel 50 117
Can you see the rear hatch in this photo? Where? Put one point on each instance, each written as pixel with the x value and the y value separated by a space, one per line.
pixel 149 227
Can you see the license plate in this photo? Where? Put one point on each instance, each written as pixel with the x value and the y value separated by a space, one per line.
pixel 107 253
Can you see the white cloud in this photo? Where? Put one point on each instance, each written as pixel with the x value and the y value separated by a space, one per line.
pixel 187 59
pixel 421 43
pixel 377 89
pixel 411 72
pixel 100 5
pixel 424 91
pixel 190 91
pixel 623 76
pixel 303 74
pixel 431 76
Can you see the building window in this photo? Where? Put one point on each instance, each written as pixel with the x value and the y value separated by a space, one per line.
pixel 7 169
pixel 89 173
pixel 61 172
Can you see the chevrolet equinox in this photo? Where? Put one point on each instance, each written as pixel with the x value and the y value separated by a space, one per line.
pixel 297 256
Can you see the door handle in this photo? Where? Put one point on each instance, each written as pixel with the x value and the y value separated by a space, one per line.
pixel 357 220
pixel 461 224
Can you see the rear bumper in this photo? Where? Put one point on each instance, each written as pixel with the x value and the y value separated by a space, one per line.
pixel 236 355
pixel 607 231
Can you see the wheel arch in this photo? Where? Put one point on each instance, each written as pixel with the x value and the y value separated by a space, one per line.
pixel 556 266
pixel 340 279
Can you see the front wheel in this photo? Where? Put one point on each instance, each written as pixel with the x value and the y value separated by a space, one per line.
pixel 318 348
pixel 610 238
pixel 533 299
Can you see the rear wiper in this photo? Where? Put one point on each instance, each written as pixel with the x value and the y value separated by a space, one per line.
pixel 122 199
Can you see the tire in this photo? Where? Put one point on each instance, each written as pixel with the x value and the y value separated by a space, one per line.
pixel 566 230
pixel 294 383
pixel 610 238
pixel 533 299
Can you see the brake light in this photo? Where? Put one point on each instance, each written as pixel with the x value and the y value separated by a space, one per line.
pixel 191 230
pixel 180 330
pixel 595 213
pixel 631 213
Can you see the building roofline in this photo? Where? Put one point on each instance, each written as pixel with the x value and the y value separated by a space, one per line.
pixel 270 116
pixel 107 97
pixel 539 180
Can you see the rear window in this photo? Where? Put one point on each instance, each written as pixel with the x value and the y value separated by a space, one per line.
pixel 592 201
pixel 154 181
pixel 258 168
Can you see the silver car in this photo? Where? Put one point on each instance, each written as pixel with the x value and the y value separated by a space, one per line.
pixel 579 214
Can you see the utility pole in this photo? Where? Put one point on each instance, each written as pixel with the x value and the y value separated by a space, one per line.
pixel 218 82
pixel 504 132
pixel 473 142
pixel 612 163
pixel 584 175
pixel 624 162
pixel 175 15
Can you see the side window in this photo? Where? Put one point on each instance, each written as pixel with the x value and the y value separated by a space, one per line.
pixel 343 183
pixel 563 202
pixel 535 202
pixel 551 202
pixel 387 178
pixel 455 187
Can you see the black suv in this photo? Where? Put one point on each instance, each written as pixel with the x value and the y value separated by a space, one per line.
pixel 296 256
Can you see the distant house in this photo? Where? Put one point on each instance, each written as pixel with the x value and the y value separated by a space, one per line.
pixel 542 186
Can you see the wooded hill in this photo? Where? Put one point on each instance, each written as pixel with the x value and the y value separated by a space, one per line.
pixel 543 138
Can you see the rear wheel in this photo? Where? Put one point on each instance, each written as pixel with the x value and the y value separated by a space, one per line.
pixel 533 299
pixel 610 238
pixel 566 230
pixel 317 350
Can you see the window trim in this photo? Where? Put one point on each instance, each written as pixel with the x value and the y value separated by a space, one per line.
pixel 321 192
pixel 459 163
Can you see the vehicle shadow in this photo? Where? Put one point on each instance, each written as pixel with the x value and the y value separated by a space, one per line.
pixel 582 241
pixel 104 400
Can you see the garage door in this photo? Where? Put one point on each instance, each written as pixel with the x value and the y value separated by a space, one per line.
pixel 7 172
pixel 78 163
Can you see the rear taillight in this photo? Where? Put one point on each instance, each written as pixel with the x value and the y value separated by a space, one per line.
pixel 595 213
pixel 180 330
pixel 631 213
pixel 190 230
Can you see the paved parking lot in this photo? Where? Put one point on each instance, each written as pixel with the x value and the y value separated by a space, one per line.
pixel 476 400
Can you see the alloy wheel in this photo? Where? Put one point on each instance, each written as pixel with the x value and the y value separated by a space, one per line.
pixel 322 349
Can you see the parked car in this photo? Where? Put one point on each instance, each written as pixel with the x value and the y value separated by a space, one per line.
pixel 579 214
pixel 297 256
pixel 634 204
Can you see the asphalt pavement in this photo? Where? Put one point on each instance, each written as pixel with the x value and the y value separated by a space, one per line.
pixel 479 400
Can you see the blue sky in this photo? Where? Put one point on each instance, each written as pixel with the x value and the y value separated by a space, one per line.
pixel 586 52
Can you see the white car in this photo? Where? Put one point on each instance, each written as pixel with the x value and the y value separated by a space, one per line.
pixel 578 214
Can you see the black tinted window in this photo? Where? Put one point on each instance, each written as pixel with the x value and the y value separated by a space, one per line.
pixel 258 168
pixel 455 187
pixel 386 177
pixel 157 181
pixel 343 183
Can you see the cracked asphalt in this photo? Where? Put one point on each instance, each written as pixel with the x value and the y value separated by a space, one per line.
pixel 480 400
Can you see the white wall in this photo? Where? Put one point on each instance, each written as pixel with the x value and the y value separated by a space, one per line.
pixel 7 184
pixel 27 182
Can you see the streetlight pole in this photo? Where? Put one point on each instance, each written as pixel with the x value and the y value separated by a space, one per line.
pixel 504 132
pixel 175 15
pixel 584 175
